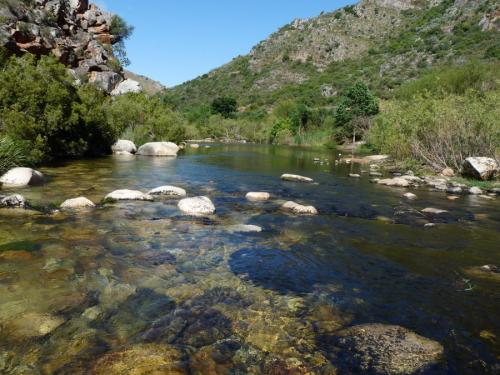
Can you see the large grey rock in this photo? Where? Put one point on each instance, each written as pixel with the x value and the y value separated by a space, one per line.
pixel 197 206
pixel 171 191
pixel 299 209
pixel 386 349
pixel 77 204
pixel 123 145
pixel 480 168
pixel 106 81
pixel 295 178
pixel 158 149
pixel 22 177
pixel 126 87
pixel 128 195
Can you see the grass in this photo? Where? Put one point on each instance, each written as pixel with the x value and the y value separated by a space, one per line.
pixel 484 185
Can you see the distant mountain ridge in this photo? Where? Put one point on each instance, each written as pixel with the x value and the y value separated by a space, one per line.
pixel 383 42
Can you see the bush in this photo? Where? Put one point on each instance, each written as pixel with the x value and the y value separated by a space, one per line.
pixel 225 106
pixel 39 104
pixel 13 154
pixel 440 132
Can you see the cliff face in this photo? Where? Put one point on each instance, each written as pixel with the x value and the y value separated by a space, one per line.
pixel 79 34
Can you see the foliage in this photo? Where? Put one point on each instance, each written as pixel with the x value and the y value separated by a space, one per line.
pixel 12 154
pixel 121 31
pixel 145 119
pixel 40 105
pixel 225 106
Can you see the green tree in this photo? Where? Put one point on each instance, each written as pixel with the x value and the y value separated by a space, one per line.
pixel 225 106
pixel 120 31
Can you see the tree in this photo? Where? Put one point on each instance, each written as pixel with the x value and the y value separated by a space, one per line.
pixel 120 31
pixel 225 106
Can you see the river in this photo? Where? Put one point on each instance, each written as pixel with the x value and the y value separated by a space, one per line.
pixel 142 279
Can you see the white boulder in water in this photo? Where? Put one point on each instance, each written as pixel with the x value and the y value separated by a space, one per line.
pixel 158 149
pixel 480 168
pixel 13 201
pixel 256 196
pixel 128 195
pixel 77 204
pixel 124 145
pixel 299 209
pixel 168 190
pixel 22 177
pixel 296 178
pixel 244 228
pixel 197 206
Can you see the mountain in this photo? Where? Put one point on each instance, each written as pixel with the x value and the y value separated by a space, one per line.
pixel 382 42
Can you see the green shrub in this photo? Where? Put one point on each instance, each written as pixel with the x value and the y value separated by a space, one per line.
pixel 13 154
pixel 225 106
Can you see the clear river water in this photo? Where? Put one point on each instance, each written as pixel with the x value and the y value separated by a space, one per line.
pixel 140 284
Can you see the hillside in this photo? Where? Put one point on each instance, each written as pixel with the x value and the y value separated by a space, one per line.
pixel 148 85
pixel 382 42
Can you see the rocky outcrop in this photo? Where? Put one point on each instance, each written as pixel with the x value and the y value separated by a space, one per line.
pixel 480 168
pixel 295 178
pixel 386 349
pixel 123 145
pixel 197 206
pixel 126 87
pixel 22 177
pixel 128 195
pixel 158 149
pixel 79 34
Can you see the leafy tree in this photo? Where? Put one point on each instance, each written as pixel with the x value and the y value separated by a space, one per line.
pixel 121 31
pixel 225 106
pixel 357 101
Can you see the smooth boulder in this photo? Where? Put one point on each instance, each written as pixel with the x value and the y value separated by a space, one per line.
pixel 13 201
pixel 386 349
pixel 480 168
pixel 171 191
pixel 396 181
pixel 126 87
pixel 296 178
pixel 77 204
pixel 258 196
pixel 22 177
pixel 197 206
pixel 124 145
pixel 158 149
pixel 128 195
pixel 299 208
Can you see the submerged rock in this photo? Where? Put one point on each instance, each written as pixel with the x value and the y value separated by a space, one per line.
pixel 354 175
pixel 244 228
pixel 386 349
pixel 158 149
pixel 480 168
pixel 410 196
pixel 13 201
pixel 299 209
pixel 197 206
pixel 128 195
pixel 77 203
pixel 168 190
pixel 143 359
pixel 490 268
pixel 22 177
pixel 296 178
pixel 123 145
pixel 35 324
pixel 258 196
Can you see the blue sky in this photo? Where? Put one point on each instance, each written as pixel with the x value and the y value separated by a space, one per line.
pixel 175 41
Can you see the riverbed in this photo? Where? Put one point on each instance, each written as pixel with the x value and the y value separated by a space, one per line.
pixel 133 282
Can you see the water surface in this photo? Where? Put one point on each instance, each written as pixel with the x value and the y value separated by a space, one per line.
pixel 140 275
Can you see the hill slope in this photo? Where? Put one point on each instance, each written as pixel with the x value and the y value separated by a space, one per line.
pixel 383 42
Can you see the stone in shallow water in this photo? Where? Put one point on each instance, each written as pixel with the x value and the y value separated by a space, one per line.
pixel 475 190
pixel 244 228
pixel 168 191
pixel 296 178
pixel 123 145
pixel 258 196
pixel 35 324
pixel 158 149
pixel 386 349
pixel 299 209
pixel 197 206
pixel 434 211
pixel 128 195
pixel 22 177
pixel 77 203
pixel 397 181
pixel 410 196
pixel 13 201
pixel 143 359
